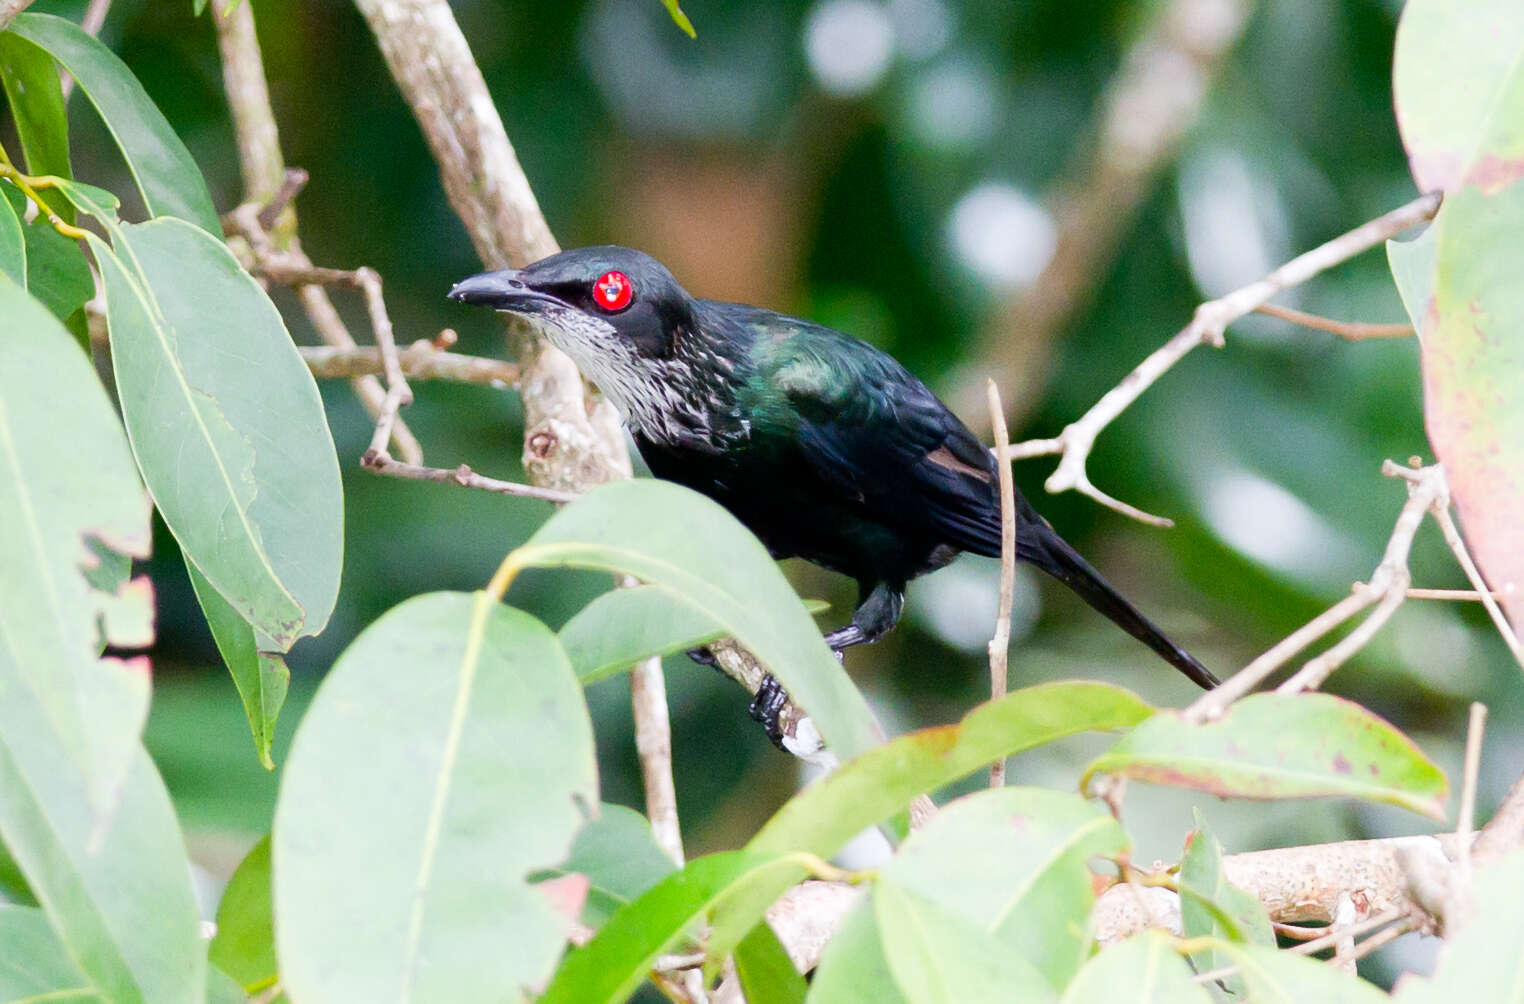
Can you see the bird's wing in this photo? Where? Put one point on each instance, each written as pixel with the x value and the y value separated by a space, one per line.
pixel 876 435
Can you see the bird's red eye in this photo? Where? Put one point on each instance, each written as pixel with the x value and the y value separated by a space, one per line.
pixel 613 291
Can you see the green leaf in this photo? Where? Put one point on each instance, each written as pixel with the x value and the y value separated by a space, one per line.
pixel 447 755
pixel 1210 906
pixel 937 955
pixel 167 177
pixel 619 856
pixel 1144 969
pixel 56 271
pixel 1270 976
pixel 35 965
pixel 679 18
pixel 244 947
pixel 66 478
pixel 624 626
pixel 766 972
pixel 1412 265
pixel 1012 862
pixel 1484 961
pixel 669 536
pixel 824 816
pixel 12 243
pixel 260 676
pixel 853 968
pixel 225 421
pixel 223 989
pixel 1447 106
pixel 1273 746
pixel 32 87
pixel 612 965
pixel 1473 357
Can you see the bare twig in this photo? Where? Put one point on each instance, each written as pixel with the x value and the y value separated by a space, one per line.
pixel 1461 595
pixel 1206 327
pixel 1465 822
pixel 419 361
pixel 1148 107
pixel 1427 492
pixel 1458 548
pixel 1000 644
pixel 653 744
pixel 1352 330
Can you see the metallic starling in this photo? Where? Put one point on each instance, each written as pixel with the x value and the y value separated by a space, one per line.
pixel 823 446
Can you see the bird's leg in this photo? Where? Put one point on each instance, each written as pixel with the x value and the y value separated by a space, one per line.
pixel 875 616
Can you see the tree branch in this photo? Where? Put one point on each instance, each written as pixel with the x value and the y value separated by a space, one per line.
pixel 1207 327
pixel 10 8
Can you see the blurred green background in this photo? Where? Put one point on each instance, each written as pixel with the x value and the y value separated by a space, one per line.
pixel 887 168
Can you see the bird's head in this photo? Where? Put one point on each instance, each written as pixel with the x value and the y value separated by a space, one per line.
pixel 593 303
pixel 626 323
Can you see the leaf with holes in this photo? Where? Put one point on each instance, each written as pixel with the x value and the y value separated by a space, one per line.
pixel 225 420
pixel 1275 746
pixel 447 756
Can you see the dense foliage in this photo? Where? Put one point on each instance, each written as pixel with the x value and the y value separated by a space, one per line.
pixel 442 828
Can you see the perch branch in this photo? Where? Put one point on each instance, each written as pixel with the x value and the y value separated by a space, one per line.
pixel 423 360
pixel 1208 326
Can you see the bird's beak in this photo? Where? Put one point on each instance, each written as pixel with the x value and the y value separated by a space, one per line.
pixel 503 290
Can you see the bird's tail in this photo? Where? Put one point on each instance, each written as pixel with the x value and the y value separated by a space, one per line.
pixel 1040 546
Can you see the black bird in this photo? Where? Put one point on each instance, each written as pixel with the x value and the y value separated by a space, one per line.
pixel 825 447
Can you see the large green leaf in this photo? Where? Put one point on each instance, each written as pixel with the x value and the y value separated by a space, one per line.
pixel 853 969
pixel 624 626
pixel 824 816
pixel 167 177
pixel 32 87
pixel 1144 969
pixel 225 421
pixel 82 810
pixel 1012 862
pixel 34 964
pixel 612 965
pixel 66 479
pixel 244 947
pixel 1460 118
pixel 1274 746
pixel 1211 906
pixel 667 535
pixel 12 243
pixel 936 955
pixel 1450 79
pixel 1484 961
pixel 447 756
pixel 260 675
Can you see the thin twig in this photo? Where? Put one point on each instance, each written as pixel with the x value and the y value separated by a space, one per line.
pixel 1458 595
pixel 1000 644
pixel 1207 327
pixel 1465 822
pixel 1353 330
pixel 90 24
pixel 1312 947
pixel 419 361
pixel 1462 555
pixel 653 745
pixel 1387 590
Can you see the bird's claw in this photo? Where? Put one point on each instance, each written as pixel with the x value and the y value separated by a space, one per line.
pixel 767 706
pixel 702 656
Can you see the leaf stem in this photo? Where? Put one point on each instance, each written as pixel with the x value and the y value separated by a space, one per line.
pixel 29 186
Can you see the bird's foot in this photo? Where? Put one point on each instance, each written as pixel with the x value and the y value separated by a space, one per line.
pixel 703 657
pixel 767 706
